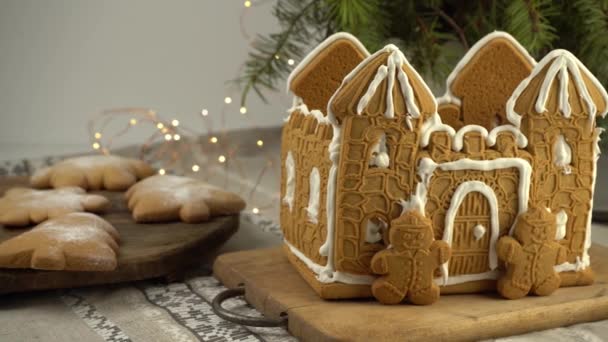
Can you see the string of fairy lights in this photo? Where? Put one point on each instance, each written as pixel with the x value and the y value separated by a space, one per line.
pixel 175 148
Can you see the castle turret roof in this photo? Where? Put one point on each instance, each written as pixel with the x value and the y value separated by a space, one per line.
pixel 383 84
pixel 559 83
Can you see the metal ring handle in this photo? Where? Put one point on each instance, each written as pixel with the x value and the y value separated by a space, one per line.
pixel 234 317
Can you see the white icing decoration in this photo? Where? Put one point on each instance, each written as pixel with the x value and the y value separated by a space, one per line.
pixel 314 196
pixel 434 124
pixel 520 138
pixel 373 230
pixel 395 62
pixel 290 183
pixel 459 195
pixel 479 231
pixel 562 154
pixel 417 200
pixel 562 64
pixel 431 125
pixel 299 106
pixel 561 218
pixel 320 48
pixel 379 151
pixel 371 90
pixel 448 97
pixel 321 271
pixel 584 261
pixel 459 136
pixel 465 278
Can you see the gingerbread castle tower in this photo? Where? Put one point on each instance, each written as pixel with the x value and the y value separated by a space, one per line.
pixel 366 141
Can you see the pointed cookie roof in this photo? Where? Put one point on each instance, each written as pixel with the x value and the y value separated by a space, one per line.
pixel 559 83
pixel 484 79
pixel 383 84
pixel 320 73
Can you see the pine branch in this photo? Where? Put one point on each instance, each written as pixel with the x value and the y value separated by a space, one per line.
pixel 268 62
pixel 463 39
pixel 528 22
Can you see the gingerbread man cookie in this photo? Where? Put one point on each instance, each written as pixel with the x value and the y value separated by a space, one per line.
pixel 93 173
pixel 169 198
pixel 530 256
pixel 73 242
pixel 408 265
pixel 23 206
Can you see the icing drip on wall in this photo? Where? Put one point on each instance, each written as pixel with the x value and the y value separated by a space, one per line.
pixel 290 184
pixel 563 64
pixel 299 106
pixel 561 219
pixel 314 196
pixel 562 154
pixel 395 63
pixel 379 157
pixel 584 261
pixel 373 230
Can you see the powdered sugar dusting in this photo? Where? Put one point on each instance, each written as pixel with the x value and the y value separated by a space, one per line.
pixel 60 198
pixel 92 161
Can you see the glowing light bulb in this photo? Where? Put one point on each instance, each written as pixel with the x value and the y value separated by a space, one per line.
pixel 175 122
pixel 96 146
pixel 290 61
pixel 255 210
pixel 168 137
pixel 221 158
pixel 133 121
pixel 97 135
pixel 247 3
pixel 195 168
pixel 204 112
pixel 276 57
pixel 160 125
pixel 260 143
pixel 228 100
pixel 243 110
pixel 176 137
pixel 161 172
pixel 213 140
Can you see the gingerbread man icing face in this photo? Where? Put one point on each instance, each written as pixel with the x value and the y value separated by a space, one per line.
pixel 404 238
pixel 540 229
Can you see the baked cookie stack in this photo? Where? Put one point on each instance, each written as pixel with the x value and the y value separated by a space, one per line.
pixel 70 236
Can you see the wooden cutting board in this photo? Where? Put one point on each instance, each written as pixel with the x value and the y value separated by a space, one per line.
pixel 274 287
pixel 146 250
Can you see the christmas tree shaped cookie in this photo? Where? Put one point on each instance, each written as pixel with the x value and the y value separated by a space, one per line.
pixel 478 88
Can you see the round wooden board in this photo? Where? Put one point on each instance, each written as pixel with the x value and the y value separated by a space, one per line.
pixel 146 250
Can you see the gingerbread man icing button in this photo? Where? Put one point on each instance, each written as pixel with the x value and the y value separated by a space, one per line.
pixel 408 265
pixel 530 256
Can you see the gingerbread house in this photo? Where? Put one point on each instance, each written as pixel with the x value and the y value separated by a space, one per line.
pixel 365 140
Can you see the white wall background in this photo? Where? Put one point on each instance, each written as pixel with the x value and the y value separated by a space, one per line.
pixel 63 60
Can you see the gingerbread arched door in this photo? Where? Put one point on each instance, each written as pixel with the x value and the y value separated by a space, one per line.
pixel 471 229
